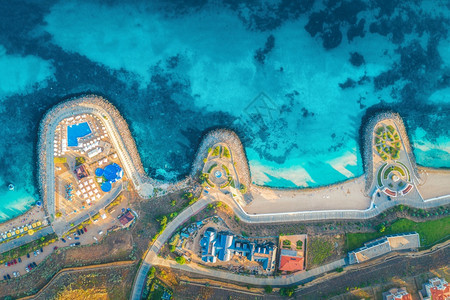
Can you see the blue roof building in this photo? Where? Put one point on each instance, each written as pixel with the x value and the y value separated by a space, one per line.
pixel 224 245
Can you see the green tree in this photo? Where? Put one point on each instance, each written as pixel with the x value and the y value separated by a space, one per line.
pixel 268 289
pixel 181 260
pixel 288 291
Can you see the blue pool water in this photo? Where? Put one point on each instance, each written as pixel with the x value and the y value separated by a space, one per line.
pixel 292 78
pixel 77 131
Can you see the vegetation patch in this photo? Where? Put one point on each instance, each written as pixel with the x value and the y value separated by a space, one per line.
pixel 212 167
pixel 393 168
pixel 380 171
pixel 387 142
pixel 319 250
pixel 431 232
pixel 226 152
pixel 216 151
pixel 27 248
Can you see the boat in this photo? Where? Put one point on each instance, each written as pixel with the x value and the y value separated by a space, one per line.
pixel 11 187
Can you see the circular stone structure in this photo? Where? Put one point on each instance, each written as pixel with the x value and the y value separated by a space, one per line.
pixel 394 179
pixel 217 176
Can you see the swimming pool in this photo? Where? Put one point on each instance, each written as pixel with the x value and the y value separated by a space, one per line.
pixel 76 131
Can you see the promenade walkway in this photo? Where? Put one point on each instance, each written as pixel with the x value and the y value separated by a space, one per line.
pixel 25 239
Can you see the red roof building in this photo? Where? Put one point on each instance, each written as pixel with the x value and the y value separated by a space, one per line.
pixel 126 219
pixel 436 289
pixel 291 263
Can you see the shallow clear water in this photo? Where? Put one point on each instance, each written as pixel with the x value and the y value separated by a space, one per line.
pixel 293 79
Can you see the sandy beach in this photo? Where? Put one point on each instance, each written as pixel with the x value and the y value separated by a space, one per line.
pixel 346 195
pixel 436 182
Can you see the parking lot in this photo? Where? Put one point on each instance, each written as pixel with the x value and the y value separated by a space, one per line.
pixel 94 233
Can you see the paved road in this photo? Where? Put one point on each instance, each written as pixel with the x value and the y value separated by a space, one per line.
pixel 61 225
pixel 251 280
pixel 25 239
pixel 151 257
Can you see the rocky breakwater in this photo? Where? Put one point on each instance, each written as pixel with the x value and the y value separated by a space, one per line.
pixel 368 140
pixel 89 104
pixel 233 142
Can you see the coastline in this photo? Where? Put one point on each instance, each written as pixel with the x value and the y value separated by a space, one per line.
pixel 98 104
pixel 367 145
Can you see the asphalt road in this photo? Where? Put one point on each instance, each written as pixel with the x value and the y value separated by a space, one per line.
pixel 25 239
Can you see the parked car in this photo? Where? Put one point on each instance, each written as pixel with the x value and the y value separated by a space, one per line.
pixel 94 238
pixel 85 230
pixel 35 254
pixel 69 237
pixel 37 251
pixel 15 261
pixel 7 275
pixel 26 269
pixel 42 250
pixel 28 255
pixel 19 259
pixel 63 240
pixel 6 264
pixel 77 238
pixel 81 231
pixel 77 244
pixel 72 245
pixel 56 247
pixel 34 264
pixel 4 277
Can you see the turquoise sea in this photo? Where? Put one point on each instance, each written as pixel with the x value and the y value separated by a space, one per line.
pixel 294 79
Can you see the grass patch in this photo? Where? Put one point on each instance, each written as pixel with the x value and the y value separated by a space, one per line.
pixel 380 184
pixel 319 250
pixel 430 232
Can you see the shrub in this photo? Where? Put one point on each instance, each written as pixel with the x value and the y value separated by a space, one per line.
pixel 173 203
pixel 243 189
pixel 287 242
pixel 216 151
pixel 236 218
pixel 299 244
pixel 288 291
pixel 172 248
pixel 151 273
pixel 181 260
pixel 79 161
pixel 340 269
pixel 226 152
pixel 268 289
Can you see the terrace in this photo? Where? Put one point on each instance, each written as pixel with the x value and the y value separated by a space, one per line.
pixel 84 147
